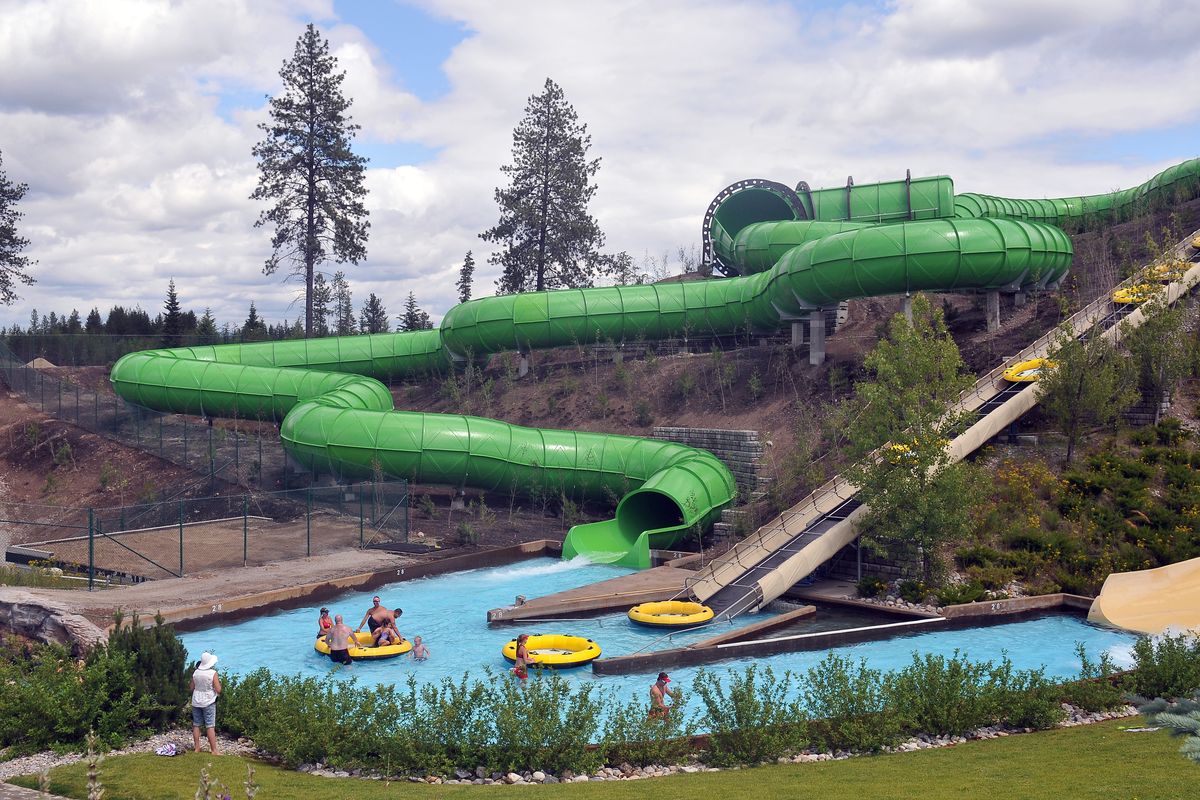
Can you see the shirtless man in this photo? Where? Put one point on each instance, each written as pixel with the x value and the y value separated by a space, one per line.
pixel 658 694
pixel 378 615
pixel 339 639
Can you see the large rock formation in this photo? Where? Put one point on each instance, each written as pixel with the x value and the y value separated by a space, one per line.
pixel 47 621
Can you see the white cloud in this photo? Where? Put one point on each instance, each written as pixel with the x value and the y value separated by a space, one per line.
pixel 133 122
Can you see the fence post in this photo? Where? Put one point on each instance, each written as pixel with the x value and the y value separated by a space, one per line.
pixel 91 550
pixel 77 404
pixel 245 528
pixel 361 541
pixel 185 461
pixel 96 410
pixel 308 522
pixel 406 505
pixel 161 417
pixel 181 538
pixel 59 385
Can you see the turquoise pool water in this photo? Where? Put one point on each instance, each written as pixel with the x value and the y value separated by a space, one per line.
pixel 449 613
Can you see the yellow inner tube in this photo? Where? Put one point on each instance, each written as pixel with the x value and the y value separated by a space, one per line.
pixel 555 650
pixel 670 613
pixel 1027 371
pixel 365 649
pixel 1139 293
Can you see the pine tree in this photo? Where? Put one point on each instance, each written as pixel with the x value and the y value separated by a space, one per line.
pixel 548 239
pixel 466 274
pixel 172 324
pixel 253 329
pixel 343 309
pixel 94 323
pixel 206 329
pixel 373 318
pixel 74 325
pixel 306 168
pixel 413 318
pixel 13 265
pixel 322 308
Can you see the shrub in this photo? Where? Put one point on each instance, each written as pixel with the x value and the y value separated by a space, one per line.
pixel 976 556
pixel 159 670
pixel 466 533
pixel 992 577
pixel 940 695
pixel 913 591
pixel 1096 689
pixel 542 724
pixel 632 736
pixel 848 706
pixel 872 586
pixel 750 719
pixel 1024 699
pixel 1167 666
pixel 969 592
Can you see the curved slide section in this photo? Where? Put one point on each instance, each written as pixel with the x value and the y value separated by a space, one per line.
pixel 1151 601
pixel 799 251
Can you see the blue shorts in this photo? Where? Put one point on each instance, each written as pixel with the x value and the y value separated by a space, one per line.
pixel 205 717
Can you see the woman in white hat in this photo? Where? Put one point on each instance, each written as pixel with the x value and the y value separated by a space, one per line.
pixel 205 688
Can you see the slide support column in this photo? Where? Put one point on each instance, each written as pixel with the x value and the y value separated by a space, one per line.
pixel 993 311
pixel 816 336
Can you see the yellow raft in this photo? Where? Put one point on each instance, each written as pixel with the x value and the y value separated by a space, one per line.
pixel 1027 371
pixel 366 650
pixel 1138 293
pixel 670 613
pixel 555 651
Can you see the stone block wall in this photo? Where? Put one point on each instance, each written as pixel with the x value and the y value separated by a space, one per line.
pixel 741 451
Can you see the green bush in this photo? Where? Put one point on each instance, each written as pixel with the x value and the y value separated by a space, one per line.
pixel 542 724
pixel 1097 689
pixel 750 719
pixel 872 586
pixel 1024 699
pixel 1167 666
pixel 913 591
pixel 849 707
pixel 953 595
pixel 160 676
pixel 940 695
pixel 632 736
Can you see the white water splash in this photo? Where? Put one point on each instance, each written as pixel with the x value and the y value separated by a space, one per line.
pixel 536 570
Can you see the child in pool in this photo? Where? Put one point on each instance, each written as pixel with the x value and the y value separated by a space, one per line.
pixel 419 652
pixel 387 634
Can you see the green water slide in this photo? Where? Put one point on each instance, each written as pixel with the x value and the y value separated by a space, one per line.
pixel 792 253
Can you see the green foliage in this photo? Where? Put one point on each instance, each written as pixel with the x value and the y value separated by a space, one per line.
pixel 632 736
pixel 872 586
pixel 1086 386
pixel 750 719
pixel 427 506
pixel 912 591
pixel 1167 666
pixel 642 415
pixel 1181 718
pixel 755 386
pixel 158 662
pixel 919 502
pixel 957 593
pixel 13 265
pixel 545 238
pixel 944 696
pixel 308 171
pixel 1097 688
pixel 849 706
pixel 466 533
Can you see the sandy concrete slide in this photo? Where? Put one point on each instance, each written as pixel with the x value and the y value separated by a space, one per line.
pixel 1151 600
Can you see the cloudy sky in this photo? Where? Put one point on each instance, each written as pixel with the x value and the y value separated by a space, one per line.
pixel 132 121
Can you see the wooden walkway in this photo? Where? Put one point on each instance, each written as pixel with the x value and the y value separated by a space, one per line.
pixel 658 583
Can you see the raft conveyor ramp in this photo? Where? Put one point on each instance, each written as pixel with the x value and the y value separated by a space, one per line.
pixel 795 543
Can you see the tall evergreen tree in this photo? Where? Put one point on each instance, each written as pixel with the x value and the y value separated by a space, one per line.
pixel 547 238
pixel 172 322
pixel 206 329
pixel 13 265
pixel 308 172
pixel 254 329
pixel 322 306
pixel 373 318
pixel 343 309
pixel 414 318
pixel 466 275
pixel 94 324
pixel 74 324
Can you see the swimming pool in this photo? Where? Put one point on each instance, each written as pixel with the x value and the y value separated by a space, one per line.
pixel 449 613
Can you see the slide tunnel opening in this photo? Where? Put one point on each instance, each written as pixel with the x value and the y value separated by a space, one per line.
pixel 752 205
pixel 647 510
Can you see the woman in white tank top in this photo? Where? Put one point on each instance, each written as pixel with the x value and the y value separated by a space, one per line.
pixel 206 685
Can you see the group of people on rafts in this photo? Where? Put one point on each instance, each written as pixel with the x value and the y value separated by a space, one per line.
pixel 380 621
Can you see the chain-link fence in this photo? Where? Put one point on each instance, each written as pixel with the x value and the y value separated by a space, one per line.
pixel 188 534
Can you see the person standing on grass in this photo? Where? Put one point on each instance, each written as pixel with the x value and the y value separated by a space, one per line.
pixel 658 694
pixel 205 686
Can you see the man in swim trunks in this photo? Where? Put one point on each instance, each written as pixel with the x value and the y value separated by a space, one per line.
pixel 339 638
pixel 658 694
pixel 378 615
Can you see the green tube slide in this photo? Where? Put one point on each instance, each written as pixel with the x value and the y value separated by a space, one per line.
pixel 795 252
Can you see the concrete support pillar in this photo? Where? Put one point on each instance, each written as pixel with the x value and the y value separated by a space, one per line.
pixel 523 365
pixel 797 334
pixel 908 308
pixel 993 311
pixel 816 337
pixel 1019 299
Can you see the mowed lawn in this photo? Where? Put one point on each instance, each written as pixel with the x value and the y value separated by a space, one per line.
pixel 1094 761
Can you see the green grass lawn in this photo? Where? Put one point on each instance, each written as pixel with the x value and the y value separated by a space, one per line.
pixel 1095 761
